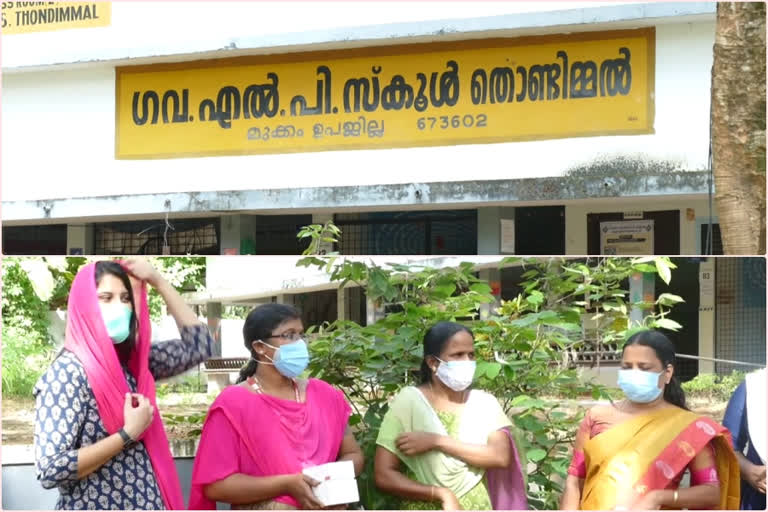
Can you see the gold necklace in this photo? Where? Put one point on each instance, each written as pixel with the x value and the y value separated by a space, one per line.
pixel 260 388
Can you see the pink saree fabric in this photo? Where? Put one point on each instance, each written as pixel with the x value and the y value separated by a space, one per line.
pixel 260 435
pixel 87 338
pixel 506 486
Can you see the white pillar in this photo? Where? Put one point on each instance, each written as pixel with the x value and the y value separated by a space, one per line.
pixel 707 314
pixel 79 239
pixel 238 233
pixel 341 304
pixel 493 277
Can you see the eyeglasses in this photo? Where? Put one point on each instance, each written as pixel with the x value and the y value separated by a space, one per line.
pixel 289 336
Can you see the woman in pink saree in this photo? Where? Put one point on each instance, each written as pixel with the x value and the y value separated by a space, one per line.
pixel 260 434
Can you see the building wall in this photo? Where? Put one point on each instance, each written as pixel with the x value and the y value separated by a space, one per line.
pixel 63 123
pixel 690 243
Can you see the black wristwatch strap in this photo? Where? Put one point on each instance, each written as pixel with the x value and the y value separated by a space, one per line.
pixel 127 440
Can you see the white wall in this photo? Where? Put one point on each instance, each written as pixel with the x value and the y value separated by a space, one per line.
pixel 59 139
pixel 175 27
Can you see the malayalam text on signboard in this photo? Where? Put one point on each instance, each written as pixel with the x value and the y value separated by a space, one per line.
pixel 463 93
pixel 24 17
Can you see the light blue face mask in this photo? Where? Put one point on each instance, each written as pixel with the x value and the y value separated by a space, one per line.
pixel 290 359
pixel 117 319
pixel 640 386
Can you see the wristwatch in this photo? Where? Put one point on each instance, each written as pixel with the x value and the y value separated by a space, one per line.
pixel 128 441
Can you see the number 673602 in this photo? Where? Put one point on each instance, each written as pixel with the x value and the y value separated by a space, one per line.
pixel 456 121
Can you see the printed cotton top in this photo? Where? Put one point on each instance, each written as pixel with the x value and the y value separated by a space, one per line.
pixel 68 419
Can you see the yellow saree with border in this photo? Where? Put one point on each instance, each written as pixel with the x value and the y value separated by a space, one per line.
pixel 647 453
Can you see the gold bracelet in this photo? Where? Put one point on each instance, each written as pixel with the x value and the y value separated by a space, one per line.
pixel 675 494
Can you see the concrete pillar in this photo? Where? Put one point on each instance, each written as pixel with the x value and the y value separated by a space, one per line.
pixel 342 307
pixel 373 312
pixel 575 229
pixel 641 289
pixel 213 313
pixel 493 277
pixel 322 218
pixel 707 314
pixel 285 298
pixel 489 228
pixel 216 381
pixel 238 234
pixel 80 239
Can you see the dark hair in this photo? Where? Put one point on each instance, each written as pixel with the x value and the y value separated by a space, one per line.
pixel 258 326
pixel 665 352
pixel 434 343
pixel 103 268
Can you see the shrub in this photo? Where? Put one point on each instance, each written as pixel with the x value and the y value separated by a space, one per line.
pixel 711 386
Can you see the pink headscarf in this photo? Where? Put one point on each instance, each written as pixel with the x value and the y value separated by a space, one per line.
pixel 87 338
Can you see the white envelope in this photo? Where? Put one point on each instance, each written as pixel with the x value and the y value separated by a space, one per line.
pixel 337 483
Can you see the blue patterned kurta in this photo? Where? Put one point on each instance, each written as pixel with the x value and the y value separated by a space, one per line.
pixel 68 419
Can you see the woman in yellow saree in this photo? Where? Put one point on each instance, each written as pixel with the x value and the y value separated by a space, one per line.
pixel 634 453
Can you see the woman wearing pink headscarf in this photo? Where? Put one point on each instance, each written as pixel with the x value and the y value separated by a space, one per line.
pixel 97 437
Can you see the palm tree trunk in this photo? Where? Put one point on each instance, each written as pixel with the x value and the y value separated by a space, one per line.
pixel 738 125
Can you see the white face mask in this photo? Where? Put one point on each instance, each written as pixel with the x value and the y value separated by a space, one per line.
pixel 457 375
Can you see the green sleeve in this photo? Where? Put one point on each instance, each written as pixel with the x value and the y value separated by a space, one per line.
pixel 388 431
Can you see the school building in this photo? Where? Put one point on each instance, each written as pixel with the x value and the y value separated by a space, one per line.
pixel 469 129
pixel 723 316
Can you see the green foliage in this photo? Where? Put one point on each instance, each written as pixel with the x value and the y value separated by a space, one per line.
pixel 26 342
pixel 22 308
pixel 319 234
pixel 26 355
pixel 526 348
pixel 189 383
pixel 185 273
pixel 713 387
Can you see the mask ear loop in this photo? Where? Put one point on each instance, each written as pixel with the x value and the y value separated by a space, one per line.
pixel 271 361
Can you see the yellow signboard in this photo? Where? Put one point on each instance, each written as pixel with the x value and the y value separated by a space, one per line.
pixel 24 17
pixel 493 90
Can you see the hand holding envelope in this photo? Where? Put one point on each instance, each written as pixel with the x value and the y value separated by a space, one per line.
pixel 337 483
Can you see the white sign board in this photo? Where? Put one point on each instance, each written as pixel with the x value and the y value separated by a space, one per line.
pixel 508 236
pixel 629 237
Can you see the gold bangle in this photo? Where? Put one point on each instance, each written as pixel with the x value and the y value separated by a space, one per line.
pixel 675 494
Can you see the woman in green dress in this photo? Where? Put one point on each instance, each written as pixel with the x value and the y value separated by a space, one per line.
pixel 454 442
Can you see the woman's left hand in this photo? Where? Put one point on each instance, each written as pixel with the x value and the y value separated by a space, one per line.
pixel 651 501
pixel 415 443
pixel 141 269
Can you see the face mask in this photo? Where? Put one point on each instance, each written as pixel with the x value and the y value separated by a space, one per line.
pixel 639 386
pixel 290 359
pixel 457 375
pixel 117 319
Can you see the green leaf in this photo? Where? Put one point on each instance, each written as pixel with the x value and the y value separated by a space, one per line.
pixel 492 370
pixel 481 288
pixel 668 299
pixel 664 271
pixel 536 454
pixel 666 323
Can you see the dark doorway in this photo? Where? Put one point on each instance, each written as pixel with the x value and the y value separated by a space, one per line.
pixel 685 283
pixel 717 241
pixel 35 240
pixel 666 230
pixel 445 232
pixel 276 234
pixel 540 230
